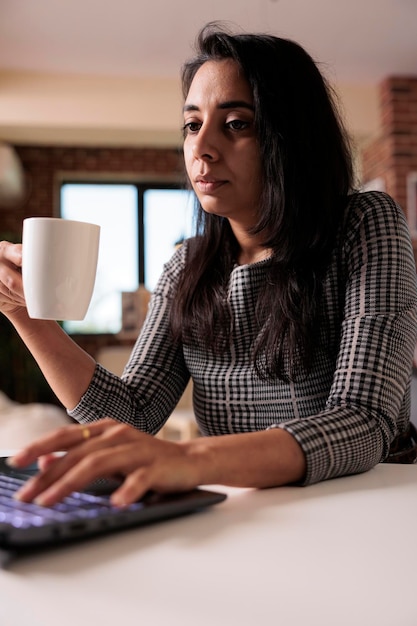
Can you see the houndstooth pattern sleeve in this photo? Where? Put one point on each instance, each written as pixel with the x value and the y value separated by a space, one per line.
pixel 155 375
pixel 368 403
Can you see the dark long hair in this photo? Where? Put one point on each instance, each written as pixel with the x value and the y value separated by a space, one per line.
pixel 307 175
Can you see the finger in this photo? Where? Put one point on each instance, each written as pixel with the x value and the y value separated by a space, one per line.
pixel 57 481
pixel 10 268
pixel 59 440
pixel 72 471
pixel 11 287
pixel 46 461
pixel 133 488
pixel 11 252
pixel 164 475
pixel 81 464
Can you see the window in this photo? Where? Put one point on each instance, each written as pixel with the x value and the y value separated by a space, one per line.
pixel 140 227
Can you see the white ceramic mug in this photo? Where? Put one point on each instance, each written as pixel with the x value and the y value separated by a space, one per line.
pixel 59 265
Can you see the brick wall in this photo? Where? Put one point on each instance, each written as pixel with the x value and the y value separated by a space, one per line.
pixel 43 167
pixel 393 155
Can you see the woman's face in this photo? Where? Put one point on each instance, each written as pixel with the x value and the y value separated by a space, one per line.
pixel 221 150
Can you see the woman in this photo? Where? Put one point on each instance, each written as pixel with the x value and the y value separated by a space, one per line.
pixel 293 310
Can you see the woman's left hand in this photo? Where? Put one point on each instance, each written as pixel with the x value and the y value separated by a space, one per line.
pixel 105 448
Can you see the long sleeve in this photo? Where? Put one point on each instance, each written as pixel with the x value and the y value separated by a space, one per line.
pixel 368 403
pixel 155 375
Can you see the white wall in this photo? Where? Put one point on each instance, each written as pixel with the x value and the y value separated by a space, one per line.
pixel 52 109
pixel 89 110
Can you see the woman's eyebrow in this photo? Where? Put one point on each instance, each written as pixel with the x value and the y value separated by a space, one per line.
pixel 236 104
pixel 228 104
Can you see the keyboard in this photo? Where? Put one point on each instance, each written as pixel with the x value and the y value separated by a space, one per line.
pixel 76 507
pixel 84 513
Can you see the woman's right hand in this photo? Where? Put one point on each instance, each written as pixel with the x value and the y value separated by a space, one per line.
pixel 52 348
pixel 11 286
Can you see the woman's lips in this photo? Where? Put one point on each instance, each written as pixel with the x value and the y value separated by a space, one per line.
pixel 208 185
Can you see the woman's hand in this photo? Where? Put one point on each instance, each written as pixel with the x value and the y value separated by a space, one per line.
pixel 52 348
pixel 11 287
pixel 105 448
pixel 109 449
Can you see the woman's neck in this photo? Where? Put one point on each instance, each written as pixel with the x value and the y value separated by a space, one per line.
pixel 249 256
pixel 251 249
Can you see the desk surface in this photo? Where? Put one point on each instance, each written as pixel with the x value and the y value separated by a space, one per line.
pixel 340 553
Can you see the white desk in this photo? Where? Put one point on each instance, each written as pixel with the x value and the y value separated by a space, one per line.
pixel 339 553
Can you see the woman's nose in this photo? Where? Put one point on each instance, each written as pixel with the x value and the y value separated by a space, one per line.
pixel 205 145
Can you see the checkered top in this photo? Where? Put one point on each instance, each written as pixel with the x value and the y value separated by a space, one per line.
pixel 346 412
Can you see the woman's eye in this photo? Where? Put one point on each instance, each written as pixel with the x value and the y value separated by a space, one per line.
pixel 237 124
pixel 191 127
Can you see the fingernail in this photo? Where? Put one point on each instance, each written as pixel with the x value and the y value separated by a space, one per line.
pixel 20 495
pixel 40 501
pixel 17 460
pixel 119 502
